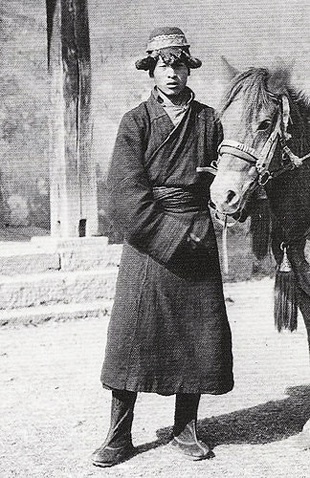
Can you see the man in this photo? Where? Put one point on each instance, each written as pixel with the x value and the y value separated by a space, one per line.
pixel 168 332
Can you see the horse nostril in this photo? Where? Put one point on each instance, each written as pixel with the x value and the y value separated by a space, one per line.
pixel 230 195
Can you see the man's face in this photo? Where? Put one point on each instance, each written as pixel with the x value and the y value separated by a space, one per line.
pixel 171 80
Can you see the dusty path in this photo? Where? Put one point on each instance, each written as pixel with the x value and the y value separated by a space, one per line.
pixel 54 412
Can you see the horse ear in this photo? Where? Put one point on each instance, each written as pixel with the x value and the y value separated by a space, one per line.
pixel 229 71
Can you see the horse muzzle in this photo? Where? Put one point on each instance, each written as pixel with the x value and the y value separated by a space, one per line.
pixel 229 200
pixel 226 200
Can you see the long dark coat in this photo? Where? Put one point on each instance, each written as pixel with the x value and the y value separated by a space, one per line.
pixel 168 332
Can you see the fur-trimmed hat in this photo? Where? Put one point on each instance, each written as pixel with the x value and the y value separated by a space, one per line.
pixel 171 44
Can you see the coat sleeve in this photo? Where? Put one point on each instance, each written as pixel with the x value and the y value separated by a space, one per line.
pixel 201 225
pixel 132 208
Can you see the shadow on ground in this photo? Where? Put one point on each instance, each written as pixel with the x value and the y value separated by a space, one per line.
pixel 265 423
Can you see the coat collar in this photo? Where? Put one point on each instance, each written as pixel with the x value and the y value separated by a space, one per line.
pixel 156 99
pixel 161 98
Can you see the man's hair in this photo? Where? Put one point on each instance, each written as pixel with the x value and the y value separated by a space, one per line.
pixel 172 56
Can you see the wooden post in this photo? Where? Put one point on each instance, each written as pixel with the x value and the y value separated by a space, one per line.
pixel 74 210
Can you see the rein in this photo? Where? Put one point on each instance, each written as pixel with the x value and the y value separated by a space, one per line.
pixel 226 225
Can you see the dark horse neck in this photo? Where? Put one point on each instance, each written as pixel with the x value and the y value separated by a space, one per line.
pixel 289 194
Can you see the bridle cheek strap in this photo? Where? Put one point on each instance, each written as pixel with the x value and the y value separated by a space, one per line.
pixel 268 150
pixel 285 117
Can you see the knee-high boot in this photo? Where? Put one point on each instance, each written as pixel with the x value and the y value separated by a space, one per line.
pixel 185 427
pixel 118 446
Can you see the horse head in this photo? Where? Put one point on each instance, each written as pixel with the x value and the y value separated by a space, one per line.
pixel 255 115
pixel 266 126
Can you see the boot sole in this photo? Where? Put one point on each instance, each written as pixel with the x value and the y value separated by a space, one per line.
pixel 108 464
pixel 180 452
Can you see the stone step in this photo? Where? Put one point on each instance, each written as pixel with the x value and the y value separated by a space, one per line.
pixel 44 254
pixel 58 312
pixel 17 258
pixel 55 287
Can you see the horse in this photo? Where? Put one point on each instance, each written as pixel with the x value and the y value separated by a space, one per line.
pixel 265 153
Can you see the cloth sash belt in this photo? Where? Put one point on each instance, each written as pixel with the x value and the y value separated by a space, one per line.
pixel 180 200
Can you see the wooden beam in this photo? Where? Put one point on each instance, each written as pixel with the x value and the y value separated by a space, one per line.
pixel 74 210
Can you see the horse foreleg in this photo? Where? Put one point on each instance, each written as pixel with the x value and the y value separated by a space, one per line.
pixel 303 439
pixel 302 273
pixel 304 306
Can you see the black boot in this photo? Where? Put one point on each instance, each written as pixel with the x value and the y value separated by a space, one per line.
pixel 118 445
pixel 185 428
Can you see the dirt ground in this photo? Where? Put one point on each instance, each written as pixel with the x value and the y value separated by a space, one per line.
pixel 54 412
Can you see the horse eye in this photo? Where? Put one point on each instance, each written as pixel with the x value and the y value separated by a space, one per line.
pixel 264 125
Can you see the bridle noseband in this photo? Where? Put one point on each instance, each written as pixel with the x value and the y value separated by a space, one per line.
pixel 262 160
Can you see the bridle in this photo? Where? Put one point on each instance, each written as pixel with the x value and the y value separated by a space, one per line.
pixel 262 160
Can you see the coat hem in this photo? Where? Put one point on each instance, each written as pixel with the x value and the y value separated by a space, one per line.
pixel 141 389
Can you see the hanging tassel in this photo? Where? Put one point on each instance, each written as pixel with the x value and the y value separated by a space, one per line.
pixel 285 305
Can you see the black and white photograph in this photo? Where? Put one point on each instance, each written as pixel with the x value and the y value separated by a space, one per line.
pixel 154 239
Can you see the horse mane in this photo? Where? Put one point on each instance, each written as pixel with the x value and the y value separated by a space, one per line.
pixel 259 87
pixel 300 120
pixel 253 84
